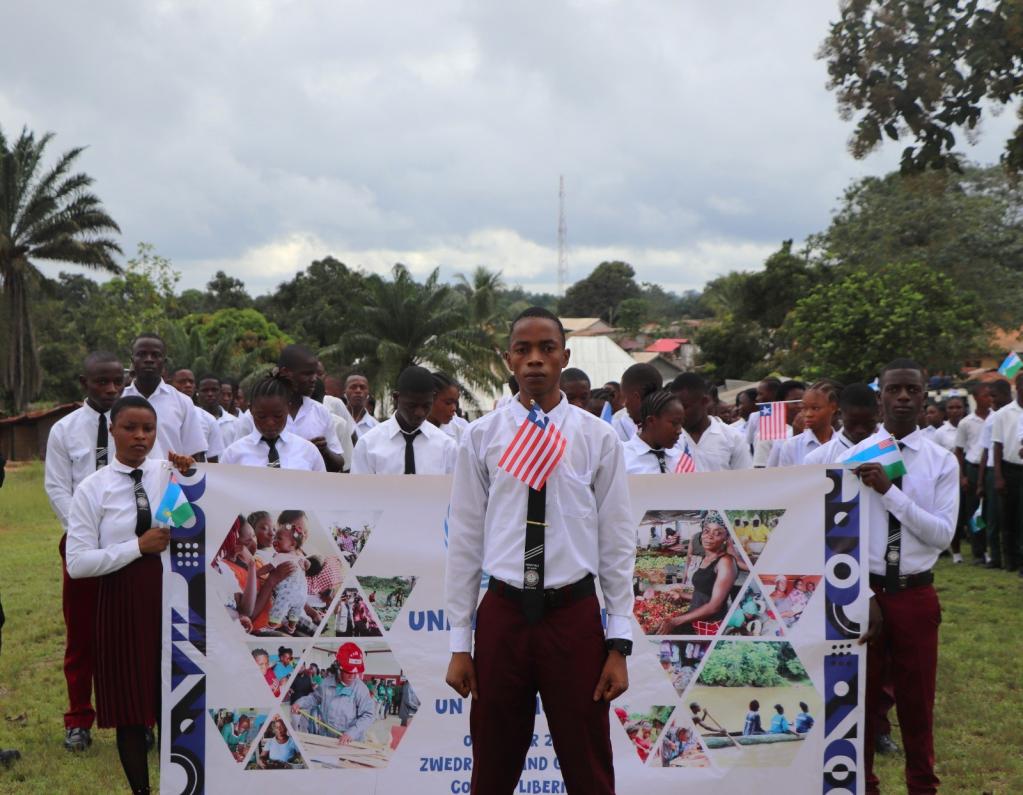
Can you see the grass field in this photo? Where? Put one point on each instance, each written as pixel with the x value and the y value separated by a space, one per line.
pixel 980 680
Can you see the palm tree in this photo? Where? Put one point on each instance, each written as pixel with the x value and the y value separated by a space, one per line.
pixel 401 322
pixel 45 214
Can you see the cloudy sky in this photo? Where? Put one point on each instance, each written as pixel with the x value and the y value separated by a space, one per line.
pixel 257 136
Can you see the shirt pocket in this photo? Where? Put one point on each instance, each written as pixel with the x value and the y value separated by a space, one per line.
pixel 575 495
pixel 82 458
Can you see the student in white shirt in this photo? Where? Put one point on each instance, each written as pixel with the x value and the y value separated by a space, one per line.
pixel 407 443
pixel 955 409
pixel 576 386
pixel 179 428
pixel 767 392
pixel 820 404
pixel 207 398
pixel 653 450
pixel 78 445
pixel 638 381
pixel 908 524
pixel 791 392
pixel 1001 395
pixel 968 450
pixel 357 393
pixel 527 642
pixel 270 444
pixel 859 410
pixel 228 389
pixel 713 445
pixel 445 405
pixel 746 406
pixel 184 382
pixel 111 536
pixel 1008 466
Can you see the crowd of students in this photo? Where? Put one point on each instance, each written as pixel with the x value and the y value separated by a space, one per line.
pixel 102 475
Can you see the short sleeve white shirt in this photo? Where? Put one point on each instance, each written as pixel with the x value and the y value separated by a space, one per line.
pixel 968 437
pixel 178 428
pixel 294 452
pixel 719 448
pixel 623 425
pixel 382 451
pixel 1005 431
pixel 641 460
pixel 212 433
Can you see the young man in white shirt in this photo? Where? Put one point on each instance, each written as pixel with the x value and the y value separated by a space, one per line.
pixel 538 628
pixel 713 445
pixel 1008 466
pixel 858 408
pixel 207 398
pixel 357 393
pixel 576 386
pixel 78 445
pixel 184 381
pixel 406 443
pixel 908 523
pixel 968 450
pixel 638 381
pixel 1001 395
pixel 178 427
pixel 767 392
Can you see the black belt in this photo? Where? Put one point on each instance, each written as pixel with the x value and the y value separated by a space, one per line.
pixel 1011 465
pixel 552 597
pixel 906 581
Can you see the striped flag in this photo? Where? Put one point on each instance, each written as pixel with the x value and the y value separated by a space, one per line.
pixel 772 421
pixel 1012 365
pixel 886 453
pixel 174 510
pixel 686 465
pixel 606 413
pixel 536 450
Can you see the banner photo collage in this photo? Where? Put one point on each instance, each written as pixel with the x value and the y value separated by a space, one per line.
pixel 305 642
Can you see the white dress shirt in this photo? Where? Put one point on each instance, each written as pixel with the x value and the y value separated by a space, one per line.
pixel 336 405
pixel 986 433
pixel 228 425
pixel 294 452
pixel 1006 431
pixel 590 527
pixel 945 436
pixel 968 437
pixel 927 504
pixel 212 433
pixel 178 429
pixel 101 527
pixel 382 451
pixel 623 425
pixel 640 459
pixel 365 423
pixel 454 430
pixel 792 452
pixel 831 451
pixel 71 456
pixel 720 448
pixel 312 421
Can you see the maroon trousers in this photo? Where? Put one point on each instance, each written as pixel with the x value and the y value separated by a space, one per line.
pixel 561 657
pixel 910 642
pixel 79 602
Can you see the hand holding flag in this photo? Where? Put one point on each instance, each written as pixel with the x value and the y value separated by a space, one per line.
pixel 536 450
pixel 174 510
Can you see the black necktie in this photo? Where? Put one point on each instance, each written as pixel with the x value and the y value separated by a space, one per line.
pixel 144 515
pixel 893 550
pixel 410 454
pixel 101 443
pixel 273 458
pixel 661 462
pixel 532 575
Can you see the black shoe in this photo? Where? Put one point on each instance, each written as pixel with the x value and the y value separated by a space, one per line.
pixel 8 756
pixel 150 740
pixel 77 739
pixel 979 562
pixel 992 565
pixel 884 744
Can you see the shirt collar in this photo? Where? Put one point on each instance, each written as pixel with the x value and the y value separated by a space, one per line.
pixel 394 428
pixel 558 415
pixel 117 466
pixel 914 441
pixel 637 444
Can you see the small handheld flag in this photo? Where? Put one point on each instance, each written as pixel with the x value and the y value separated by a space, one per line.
pixel 886 453
pixel 1011 366
pixel 977 523
pixel 772 421
pixel 536 450
pixel 686 465
pixel 606 413
pixel 174 510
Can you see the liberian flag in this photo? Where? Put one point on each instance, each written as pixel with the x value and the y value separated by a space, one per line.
pixel 536 450
pixel 772 421
pixel 174 510
pixel 886 453
pixel 1011 365
pixel 686 465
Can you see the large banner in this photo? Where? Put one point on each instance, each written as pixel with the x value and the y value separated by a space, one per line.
pixel 305 645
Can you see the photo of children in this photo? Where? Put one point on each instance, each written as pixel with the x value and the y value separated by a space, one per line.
pixel 680 745
pixel 752 529
pixel 277 750
pixel 238 728
pixel 643 728
pixel 679 659
pixel 688 570
pixel 790 593
pixel 277 573
pixel 753 703
pixel 352 617
pixel 386 595
pixel 752 615
pixel 357 713
pixel 350 531
pixel 276 664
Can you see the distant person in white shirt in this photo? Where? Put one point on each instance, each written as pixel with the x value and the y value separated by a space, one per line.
pixel 184 381
pixel 270 444
pixel 954 409
pixel 1008 465
pixel 767 392
pixel 746 405
pixel 654 449
pixel 576 386
pixel 617 401
pixel 228 389
pixel 444 413
pixel 407 443
pixel 179 428
pixel 907 524
pixel 78 445
pixel 968 451
pixel 638 381
pixel 357 395
pixel 1001 395
pixel 859 410
pixel 713 444
pixel 820 404
pixel 207 397
pixel 791 393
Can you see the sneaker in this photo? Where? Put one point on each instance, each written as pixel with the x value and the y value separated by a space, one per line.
pixel 77 739
pixel 884 744
pixel 957 558
pixel 8 756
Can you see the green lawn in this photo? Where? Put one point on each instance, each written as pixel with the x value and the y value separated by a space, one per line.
pixel 979 710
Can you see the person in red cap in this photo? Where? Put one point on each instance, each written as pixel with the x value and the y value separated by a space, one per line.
pixel 345 704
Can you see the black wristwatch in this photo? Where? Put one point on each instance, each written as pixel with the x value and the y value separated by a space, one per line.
pixel 620 645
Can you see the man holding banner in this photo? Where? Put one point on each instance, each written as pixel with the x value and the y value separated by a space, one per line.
pixel 540 501
pixel 909 510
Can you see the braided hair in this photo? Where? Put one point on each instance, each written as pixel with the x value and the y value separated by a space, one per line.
pixel 655 403
pixel 272 385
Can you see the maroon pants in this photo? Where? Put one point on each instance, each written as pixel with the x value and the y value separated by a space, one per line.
pixel 79 600
pixel 561 657
pixel 910 642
